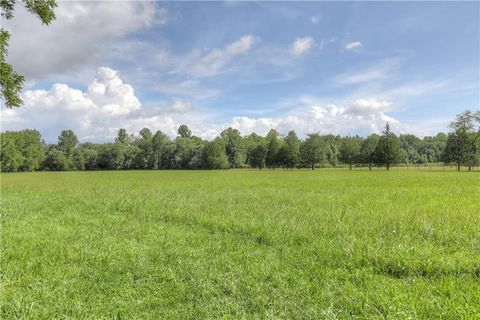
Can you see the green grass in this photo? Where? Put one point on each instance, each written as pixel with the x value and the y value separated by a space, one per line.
pixel 241 244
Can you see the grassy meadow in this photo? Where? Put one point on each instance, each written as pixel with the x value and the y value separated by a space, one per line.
pixel 240 244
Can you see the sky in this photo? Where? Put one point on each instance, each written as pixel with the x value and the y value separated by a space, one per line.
pixel 329 67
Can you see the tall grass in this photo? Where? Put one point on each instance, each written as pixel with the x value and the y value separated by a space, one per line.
pixel 241 244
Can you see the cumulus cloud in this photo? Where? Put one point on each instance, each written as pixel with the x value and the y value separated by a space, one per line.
pixel 109 103
pixel 95 114
pixel 301 46
pixel 353 45
pixel 81 32
pixel 316 118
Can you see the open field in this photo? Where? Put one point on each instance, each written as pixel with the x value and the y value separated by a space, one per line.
pixel 241 244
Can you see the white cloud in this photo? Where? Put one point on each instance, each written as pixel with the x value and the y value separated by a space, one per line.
pixel 301 45
pixel 353 45
pixel 326 119
pixel 190 88
pixel 179 106
pixel 379 71
pixel 108 104
pixel 81 32
pixel 96 114
pixel 214 61
pixel 370 105
pixel 315 19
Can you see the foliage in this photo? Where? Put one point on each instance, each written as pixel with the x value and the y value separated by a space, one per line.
pixel 214 156
pixel 388 149
pixel 312 150
pixel 463 143
pixel 256 156
pixel 10 81
pixel 350 150
pixel 24 150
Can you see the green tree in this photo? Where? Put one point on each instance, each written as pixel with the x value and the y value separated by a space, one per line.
pixel 111 156
pixel 233 147
pixel 90 156
pixel 292 150
pixel 388 150
pixel 272 145
pixel 123 137
pixel 78 160
pixel 367 149
pixel 282 156
pixel 160 143
pixel 256 157
pixel 350 150
pixel 56 160
pixel 11 157
pixel 184 132
pixel 312 150
pixel 10 81
pixel 214 156
pixel 463 144
pixel 67 141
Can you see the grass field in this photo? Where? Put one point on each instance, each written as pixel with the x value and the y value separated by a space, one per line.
pixel 241 244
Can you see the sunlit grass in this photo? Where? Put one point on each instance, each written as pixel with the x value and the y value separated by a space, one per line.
pixel 241 244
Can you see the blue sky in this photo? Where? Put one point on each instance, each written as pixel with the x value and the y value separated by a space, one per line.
pixel 328 67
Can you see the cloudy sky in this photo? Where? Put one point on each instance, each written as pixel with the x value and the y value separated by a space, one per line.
pixel 345 67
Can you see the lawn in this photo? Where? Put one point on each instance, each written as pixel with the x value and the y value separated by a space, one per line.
pixel 241 244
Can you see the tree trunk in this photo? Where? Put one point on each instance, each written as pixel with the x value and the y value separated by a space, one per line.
pixel 350 166
pixel 388 166
pixel 313 166
pixel 370 166
pixel 458 166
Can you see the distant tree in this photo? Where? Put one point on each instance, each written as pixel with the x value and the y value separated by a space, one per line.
pixel 367 149
pixel 133 157
pixel 10 81
pixel 184 131
pixel 160 144
pixel 256 157
pixel 332 145
pixel 11 157
pixel 312 150
pixel 90 156
pixel 272 145
pixel 56 160
pixel 282 156
pixel 233 147
pixel 111 156
pixel 67 141
pixel 123 137
pixel 350 150
pixel 146 159
pixel 214 156
pixel 292 150
pixel 187 153
pixel 463 143
pixel 78 159
pixel 388 149
pixel 411 145
pixel 28 143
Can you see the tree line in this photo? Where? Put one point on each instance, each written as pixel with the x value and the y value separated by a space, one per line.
pixel 25 150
